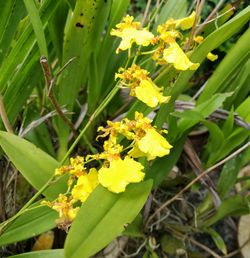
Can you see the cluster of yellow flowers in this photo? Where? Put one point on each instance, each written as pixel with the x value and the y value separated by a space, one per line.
pixel 166 50
pixel 119 167
pixel 141 86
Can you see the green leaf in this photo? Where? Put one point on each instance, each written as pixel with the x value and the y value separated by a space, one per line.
pixel 23 47
pixel 34 164
pixel 16 82
pixel 189 114
pixel 31 223
pixel 229 124
pixel 243 109
pixel 238 137
pixel 94 84
pixel 216 139
pixel 166 79
pixel 236 205
pixel 58 253
pixel 226 13
pixel 11 13
pixel 21 87
pixel 37 26
pixel 242 81
pixel 83 34
pixel 245 157
pixel 218 240
pixel 56 28
pixel 228 66
pixel 228 176
pixel 239 85
pixel 205 109
pixel 99 222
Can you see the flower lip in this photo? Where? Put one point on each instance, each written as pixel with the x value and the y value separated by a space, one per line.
pixel 151 145
pixel 175 55
pixel 120 173
pixel 130 32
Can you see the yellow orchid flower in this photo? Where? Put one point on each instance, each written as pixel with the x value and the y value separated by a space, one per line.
pixel 120 173
pixel 151 145
pixel 175 55
pixel 85 185
pixel 130 32
pixel 212 57
pixel 64 206
pixel 150 94
pixel 142 86
pixel 187 22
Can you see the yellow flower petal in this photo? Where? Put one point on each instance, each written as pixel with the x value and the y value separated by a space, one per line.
pixel 174 55
pixel 212 57
pixel 130 32
pixel 150 94
pixel 187 22
pixel 120 173
pixel 132 35
pixel 152 145
pixel 85 185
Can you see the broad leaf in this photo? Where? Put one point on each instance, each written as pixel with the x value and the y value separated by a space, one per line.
pixel 34 164
pixel 31 223
pixel 58 253
pixel 103 217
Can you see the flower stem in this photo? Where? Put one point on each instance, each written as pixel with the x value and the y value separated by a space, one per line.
pixel 24 208
pixel 94 115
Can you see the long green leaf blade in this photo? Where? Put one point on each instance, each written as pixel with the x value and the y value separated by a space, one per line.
pixel 82 37
pixel 224 72
pixel 57 253
pixel 37 26
pixel 34 164
pixel 11 12
pixel 31 223
pixel 99 222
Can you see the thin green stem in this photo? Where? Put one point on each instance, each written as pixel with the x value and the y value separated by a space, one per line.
pixel 24 208
pixel 94 115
